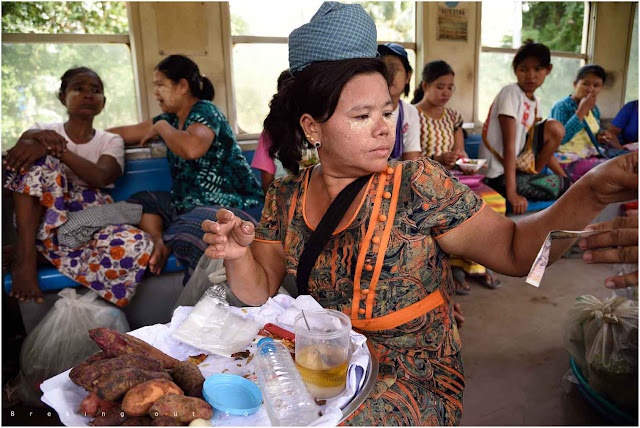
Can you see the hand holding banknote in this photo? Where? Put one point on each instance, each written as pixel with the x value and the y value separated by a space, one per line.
pixel 617 244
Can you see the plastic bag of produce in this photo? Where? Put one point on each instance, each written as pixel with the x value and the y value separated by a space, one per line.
pixel 60 341
pixel 602 337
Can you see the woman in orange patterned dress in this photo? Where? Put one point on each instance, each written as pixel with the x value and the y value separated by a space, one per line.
pixel 386 264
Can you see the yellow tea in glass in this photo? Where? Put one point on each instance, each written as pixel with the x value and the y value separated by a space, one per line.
pixel 322 351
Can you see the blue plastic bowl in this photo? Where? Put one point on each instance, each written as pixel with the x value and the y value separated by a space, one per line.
pixel 232 394
pixel 599 403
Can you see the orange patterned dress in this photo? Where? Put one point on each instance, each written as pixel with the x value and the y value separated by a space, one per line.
pixel 386 270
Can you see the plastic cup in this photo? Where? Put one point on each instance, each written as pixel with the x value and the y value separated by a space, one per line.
pixel 322 351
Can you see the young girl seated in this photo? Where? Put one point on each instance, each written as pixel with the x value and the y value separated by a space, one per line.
pixel 441 137
pixel 442 140
pixel 405 116
pixel 580 150
pixel 81 161
pixel 516 145
pixel 207 165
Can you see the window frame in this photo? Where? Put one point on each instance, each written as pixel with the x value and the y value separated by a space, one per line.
pixel 79 38
pixel 240 39
pixel 586 48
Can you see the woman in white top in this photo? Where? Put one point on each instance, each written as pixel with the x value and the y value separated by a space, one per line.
pixel 56 169
pixel 405 116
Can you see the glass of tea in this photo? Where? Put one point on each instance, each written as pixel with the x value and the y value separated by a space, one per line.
pixel 323 348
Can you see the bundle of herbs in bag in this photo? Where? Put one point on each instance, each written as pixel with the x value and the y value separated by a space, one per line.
pixel 602 338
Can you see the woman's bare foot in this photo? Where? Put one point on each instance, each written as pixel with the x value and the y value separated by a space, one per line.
pixel 24 284
pixel 159 256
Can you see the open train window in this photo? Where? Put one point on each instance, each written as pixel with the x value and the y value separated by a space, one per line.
pixel 562 26
pixel 259 32
pixel 41 40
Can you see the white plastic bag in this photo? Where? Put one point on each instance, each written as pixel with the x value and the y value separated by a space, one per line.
pixel 61 340
pixel 602 337
pixel 213 328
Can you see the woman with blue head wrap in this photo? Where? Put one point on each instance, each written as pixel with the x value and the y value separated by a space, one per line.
pixel 371 237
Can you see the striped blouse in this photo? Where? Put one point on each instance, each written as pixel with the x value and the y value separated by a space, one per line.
pixel 437 134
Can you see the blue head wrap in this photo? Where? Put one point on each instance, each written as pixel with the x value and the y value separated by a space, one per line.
pixel 337 31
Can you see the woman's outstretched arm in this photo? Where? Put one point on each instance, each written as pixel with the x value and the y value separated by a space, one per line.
pixel 510 248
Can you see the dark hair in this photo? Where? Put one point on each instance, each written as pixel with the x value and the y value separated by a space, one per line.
pixel 69 74
pixel 594 69
pixel 284 76
pixel 431 72
pixel 531 49
pixel 177 67
pixel 386 51
pixel 316 91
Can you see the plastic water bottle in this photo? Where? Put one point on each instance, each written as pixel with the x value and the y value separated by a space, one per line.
pixel 286 397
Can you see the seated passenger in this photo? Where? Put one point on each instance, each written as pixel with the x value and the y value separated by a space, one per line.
pixel 270 168
pixel 624 125
pixel 405 115
pixel 517 145
pixel 580 150
pixel 442 140
pixel 441 137
pixel 60 168
pixel 207 165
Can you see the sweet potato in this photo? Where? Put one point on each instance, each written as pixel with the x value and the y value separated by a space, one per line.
pixel 113 386
pixel 117 344
pixel 92 405
pixel 143 421
pixel 139 399
pixel 87 375
pixel 98 356
pixel 165 421
pixel 188 377
pixel 181 408
pixel 113 417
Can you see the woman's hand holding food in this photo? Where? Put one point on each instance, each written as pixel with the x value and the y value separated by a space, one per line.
pixel 229 237
pixel 619 244
pixel 447 159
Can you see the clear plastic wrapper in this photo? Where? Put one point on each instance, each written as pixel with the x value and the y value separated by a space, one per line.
pixel 211 327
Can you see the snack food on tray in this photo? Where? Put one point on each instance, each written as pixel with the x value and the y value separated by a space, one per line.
pixel 139 399
pixel 117 344
pixel 470 165
pixel 181 408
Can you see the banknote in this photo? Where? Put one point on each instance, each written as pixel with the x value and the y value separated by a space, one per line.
pixel 542 259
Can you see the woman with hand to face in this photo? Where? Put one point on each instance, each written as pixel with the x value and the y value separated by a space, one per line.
pixel 380 253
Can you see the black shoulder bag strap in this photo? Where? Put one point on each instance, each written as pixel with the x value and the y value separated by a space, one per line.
pixel 323 232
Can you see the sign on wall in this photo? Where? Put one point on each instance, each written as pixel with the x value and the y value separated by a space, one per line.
pixel 452 22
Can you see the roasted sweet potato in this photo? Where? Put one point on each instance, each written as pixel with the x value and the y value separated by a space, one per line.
pixel 113 417
pixel 181 408
pixel 86 376
pixel 188 377
pixel 117 344
pixel 92 405
pixel 143 421
pixel 165 421
pixel 113 386
pixel 98 356
pixel 139 399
